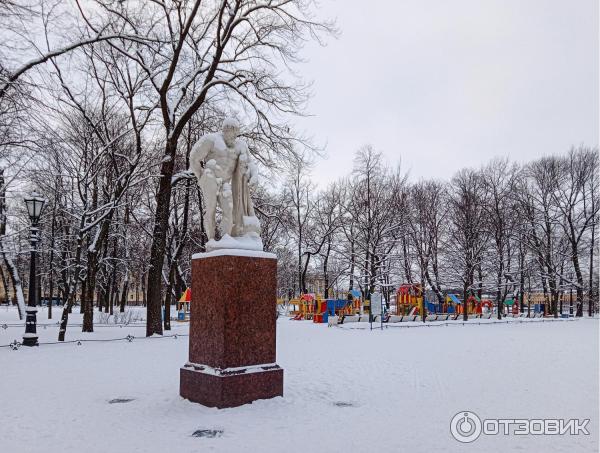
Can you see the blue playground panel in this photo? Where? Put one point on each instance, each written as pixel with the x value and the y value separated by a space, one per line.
pixel 454 299
pixel 332 305
pixel 432 308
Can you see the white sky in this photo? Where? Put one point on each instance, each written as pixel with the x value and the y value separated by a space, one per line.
pixel 446 84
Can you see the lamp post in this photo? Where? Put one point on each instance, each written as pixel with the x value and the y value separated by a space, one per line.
pixel 35 204
pixel 571 294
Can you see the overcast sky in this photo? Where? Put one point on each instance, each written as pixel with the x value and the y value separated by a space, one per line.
pixel 445 84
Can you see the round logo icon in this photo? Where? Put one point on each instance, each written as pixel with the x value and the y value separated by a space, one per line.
pixel 465 427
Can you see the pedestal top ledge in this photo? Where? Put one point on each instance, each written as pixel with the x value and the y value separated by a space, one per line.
pixel 234 252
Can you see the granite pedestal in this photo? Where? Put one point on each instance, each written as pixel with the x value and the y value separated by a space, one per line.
pixel 232 330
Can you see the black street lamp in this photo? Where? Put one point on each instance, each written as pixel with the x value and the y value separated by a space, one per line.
pixel 571 294
pixel 34 204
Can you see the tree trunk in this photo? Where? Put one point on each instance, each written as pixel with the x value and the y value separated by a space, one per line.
pixel 591 288
pixel 144 292
pixel 407 272
pixel 168 297
pixel 159 237
pixel 105 296
pixel 16 282
pixel 124 295
pixel 113 297
pixel 64 320
pixel 352 264
pixel 480 283
pixel 84 300
pixel 325 277
pixel 522 279
pixel 5 285
pixel 50 290
pixel 464 304
pixel 88 312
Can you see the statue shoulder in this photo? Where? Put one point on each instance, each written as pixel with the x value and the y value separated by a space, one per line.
pixel 241 146
pixel 212 138
pixel 204 141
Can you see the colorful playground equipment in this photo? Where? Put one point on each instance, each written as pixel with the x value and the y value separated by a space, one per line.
pixel 303 307
pixel 447 307
pixel 539 302
pixel 411 305
pixel 315 307
pixel 331 307
pixel 475 306
pixel 409 300
pixel 355 296
pixel 183 306
pixel 511 306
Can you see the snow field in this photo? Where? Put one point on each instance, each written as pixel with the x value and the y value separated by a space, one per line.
pixel 346 390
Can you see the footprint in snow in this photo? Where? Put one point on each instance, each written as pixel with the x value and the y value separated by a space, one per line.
pixel 209 433
pixel 120 400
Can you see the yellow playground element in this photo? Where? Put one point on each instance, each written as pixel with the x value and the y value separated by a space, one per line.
pixel 183 305
pixel 355 296
pixel 311 306
pixel 409 300
pixel 303 307
pixel 539 303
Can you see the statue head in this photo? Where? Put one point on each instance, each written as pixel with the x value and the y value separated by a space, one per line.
pixel 231 129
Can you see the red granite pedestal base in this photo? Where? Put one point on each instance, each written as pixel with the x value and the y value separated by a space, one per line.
pixel 230 391
pixel 232 330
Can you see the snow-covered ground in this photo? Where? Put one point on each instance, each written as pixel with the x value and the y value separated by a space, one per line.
pixel 347 389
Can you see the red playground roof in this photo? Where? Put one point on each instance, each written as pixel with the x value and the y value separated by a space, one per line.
pixel 186 296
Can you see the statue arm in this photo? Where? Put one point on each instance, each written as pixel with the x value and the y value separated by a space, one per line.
pixel 252 174
pixel 249 167
pixel 198 155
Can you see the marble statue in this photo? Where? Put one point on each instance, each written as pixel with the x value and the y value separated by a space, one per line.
pixel 221 162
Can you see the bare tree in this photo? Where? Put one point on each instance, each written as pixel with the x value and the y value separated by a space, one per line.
pixel 467 233
pixel 223 51
pixel 498 179
pixel 427 211
pixel 574 198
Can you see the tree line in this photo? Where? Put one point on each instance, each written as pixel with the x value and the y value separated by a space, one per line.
pixel 501 230
pixel 100 102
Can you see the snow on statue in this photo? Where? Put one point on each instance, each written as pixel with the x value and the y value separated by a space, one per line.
pixel 221 162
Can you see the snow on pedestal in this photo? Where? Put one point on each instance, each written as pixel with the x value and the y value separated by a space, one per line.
pixel 249 241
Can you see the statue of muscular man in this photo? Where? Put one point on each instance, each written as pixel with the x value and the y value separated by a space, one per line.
pixel 221 162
